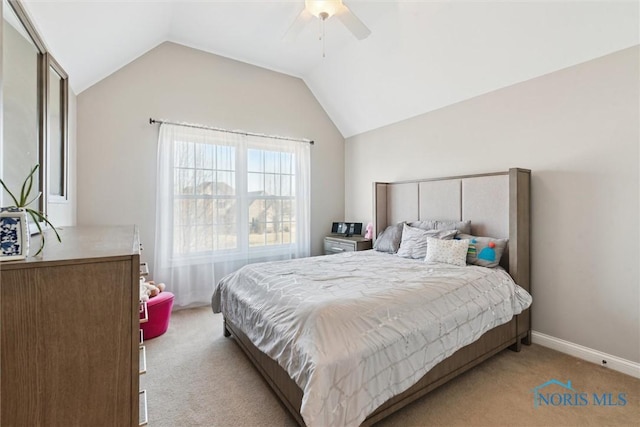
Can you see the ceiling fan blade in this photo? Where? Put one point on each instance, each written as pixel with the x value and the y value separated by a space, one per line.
pixel 298 25
pixel 353 24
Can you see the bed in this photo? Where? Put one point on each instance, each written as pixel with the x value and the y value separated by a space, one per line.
pixel 293 319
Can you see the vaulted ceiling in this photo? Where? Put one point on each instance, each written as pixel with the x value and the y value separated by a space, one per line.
pixel 420 56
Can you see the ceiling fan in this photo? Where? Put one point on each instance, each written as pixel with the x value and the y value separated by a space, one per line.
pixel 323 10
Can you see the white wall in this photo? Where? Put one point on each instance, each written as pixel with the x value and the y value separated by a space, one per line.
pixel 578 131
pixel 117 145
pixel 65 213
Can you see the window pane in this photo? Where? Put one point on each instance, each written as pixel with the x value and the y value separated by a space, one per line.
pixel 292 210
pixel 185 212
pixel 177 217
pixel 226 158
pixel 285 189
pixel 204 238
pixel 285 159
pixel 183 181
pixel 254 160
pixel 185 239
pixel 183 152
pixel 227 236
pixel 270 188
pixel 204 182
pixel 205 155
pixel 257 211
pixel 205 211
pixel 272 233
pixel 256 233
pixel 272 161
pixel 286 210
pixel 286 232
pixel 226 184
pixel 226 212
pixel 255 183
pixel 257 218
pixel 276 211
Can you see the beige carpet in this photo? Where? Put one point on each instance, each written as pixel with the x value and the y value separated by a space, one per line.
pixel 196 377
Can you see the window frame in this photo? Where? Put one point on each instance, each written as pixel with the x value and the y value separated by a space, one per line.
pixel 243 200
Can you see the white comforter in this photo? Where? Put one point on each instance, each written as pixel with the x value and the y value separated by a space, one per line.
pixel 357 328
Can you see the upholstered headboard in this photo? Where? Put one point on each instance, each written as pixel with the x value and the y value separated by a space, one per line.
pixel 497 204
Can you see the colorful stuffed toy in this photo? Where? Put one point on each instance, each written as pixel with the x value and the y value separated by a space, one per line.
pixel 149 289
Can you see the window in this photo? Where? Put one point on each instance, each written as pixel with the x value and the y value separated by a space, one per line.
pixel 271 189
pixel 224 200
pixel 205 214
pixel 228 198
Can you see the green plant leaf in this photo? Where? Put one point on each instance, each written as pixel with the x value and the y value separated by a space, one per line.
pixel 44 218
pixel 15 201
pixel 27 185
pixel 34 199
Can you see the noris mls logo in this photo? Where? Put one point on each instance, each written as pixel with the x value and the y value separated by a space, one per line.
pixel 557 393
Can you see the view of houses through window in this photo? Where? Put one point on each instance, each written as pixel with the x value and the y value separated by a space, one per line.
pixel 226 198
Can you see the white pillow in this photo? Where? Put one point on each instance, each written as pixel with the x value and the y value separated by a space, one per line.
pixel 414 241
pixel 447 251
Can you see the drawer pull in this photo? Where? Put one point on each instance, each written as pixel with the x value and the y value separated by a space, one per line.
pixel 143 360
pixel 141 340
pixel 144 412
pixel 144 311
pixel 334 249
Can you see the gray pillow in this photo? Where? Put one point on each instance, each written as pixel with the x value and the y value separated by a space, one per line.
pixel 424 225
pixel 414 241
pixel 461 226
pixel 389 240
pixel 484 251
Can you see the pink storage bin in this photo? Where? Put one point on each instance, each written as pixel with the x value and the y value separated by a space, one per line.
pixel 159 308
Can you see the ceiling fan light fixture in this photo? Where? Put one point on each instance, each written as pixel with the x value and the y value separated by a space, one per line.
pixel 323 9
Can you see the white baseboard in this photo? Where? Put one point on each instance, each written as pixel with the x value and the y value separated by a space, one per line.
pixel 585 353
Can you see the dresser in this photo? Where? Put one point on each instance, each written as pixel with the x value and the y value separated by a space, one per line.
pixel 70 331
pixel 335 244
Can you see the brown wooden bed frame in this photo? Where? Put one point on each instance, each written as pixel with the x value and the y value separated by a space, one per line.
pixel 497 204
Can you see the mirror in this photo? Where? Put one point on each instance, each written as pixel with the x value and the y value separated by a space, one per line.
pixel 21 146
pixel 34 108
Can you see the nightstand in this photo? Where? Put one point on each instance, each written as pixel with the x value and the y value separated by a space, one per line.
pixel 336 244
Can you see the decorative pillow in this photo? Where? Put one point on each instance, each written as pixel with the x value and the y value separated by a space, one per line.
pixel 389 240
pixel 447 251
pixel 461 226
pixel 414 241
pixel 484 251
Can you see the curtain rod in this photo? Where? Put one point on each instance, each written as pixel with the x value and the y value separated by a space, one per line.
pixel 189 125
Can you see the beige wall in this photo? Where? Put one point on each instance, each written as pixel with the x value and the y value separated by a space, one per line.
pixel 117 145
pixel 578 131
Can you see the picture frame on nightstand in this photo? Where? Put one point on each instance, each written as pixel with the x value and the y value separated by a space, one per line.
pixel 347 229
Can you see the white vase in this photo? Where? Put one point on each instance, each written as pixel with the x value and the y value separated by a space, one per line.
pixel 14 234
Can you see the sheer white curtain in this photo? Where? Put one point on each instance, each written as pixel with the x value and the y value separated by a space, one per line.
pixel 225 200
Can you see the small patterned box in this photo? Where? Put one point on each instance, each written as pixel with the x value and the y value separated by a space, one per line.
pixel 14 234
